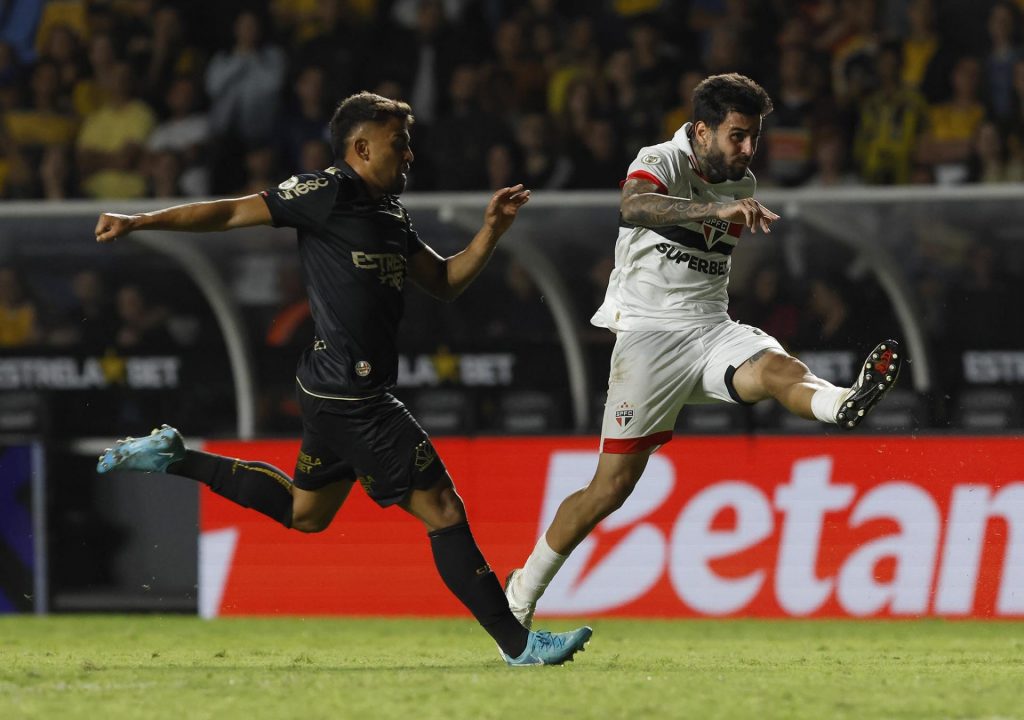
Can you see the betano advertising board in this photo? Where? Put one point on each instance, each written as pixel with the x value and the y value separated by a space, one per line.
pixel 717 527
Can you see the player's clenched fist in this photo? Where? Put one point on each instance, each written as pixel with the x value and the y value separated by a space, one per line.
pixel 111 226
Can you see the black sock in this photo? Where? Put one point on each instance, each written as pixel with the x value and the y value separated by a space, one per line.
pixel 471 580
pixel 254 485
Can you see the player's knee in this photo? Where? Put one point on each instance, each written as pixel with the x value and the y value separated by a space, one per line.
pixel 780 372
pixel 310 523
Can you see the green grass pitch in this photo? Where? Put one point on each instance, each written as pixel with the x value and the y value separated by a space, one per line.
pixel 138 666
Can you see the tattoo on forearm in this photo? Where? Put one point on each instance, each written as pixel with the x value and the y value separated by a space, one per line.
pixel 654 210
pixel 642 205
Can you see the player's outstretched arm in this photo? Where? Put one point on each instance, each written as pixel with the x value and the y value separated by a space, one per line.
pixel 446 278
pixel 643 205
pixel 206 216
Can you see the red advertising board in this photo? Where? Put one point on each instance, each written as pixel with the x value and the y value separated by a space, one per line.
pixel 717 527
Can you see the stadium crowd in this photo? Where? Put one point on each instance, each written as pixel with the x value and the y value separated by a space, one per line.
pixel 141 98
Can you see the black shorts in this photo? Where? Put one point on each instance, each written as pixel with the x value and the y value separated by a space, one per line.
pixel 376 441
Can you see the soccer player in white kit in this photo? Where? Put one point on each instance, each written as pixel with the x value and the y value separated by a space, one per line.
pixel 684 203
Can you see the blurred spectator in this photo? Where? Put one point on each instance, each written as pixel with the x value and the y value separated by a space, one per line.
pixel 244 86
pixel 851 40
pixel 635 112
pixel 306 118
pixel 10 68
pixel 655 62
pixel 952 125
pixel 581 58
pixel 542 166
pixel 461 138
pixel 891 121
pixel 41 123
pixel 831 166
pixel 927 61
pixel 63 48
pixel 89 93
pixel 260 170
pixel 502 168
pixel 56 173
pixel 787 132
pixel 335 42
pixel 140 325
pixel 111 140
pixel 315 155
pixel 601 166
pixel 184 134
pixel 527 74
pixel 767 304
pixel 422 58
pixel 683 112
pixel 89 323
pixel 583 105
pixel 828 322
pixel 1003 52
pixel 168 54
pixel 163 171
pixel 993 159
pixel 19 27
pixel 19 317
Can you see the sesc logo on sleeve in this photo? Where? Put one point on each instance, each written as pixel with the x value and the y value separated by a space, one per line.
pixel 292 188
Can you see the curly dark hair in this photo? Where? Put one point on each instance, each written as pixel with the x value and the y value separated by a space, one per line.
pixel 363 107
pixel 718 95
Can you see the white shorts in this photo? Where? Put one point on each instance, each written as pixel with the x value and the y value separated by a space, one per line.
pixel 654 374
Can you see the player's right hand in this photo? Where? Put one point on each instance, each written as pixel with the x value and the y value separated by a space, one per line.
pixel 748 212
pixel 111 226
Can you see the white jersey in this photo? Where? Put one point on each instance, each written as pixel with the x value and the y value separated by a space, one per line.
pixel 675 277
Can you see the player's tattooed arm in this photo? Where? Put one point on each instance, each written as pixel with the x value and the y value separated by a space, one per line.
pixel 642 204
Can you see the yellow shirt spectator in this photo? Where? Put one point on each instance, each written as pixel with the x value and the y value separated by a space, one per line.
pixel 112 129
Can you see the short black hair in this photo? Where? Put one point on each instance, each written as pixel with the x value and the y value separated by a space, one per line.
pixel 363 107
pixel 718 95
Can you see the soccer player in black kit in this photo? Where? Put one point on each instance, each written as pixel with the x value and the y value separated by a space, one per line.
pixel 357 247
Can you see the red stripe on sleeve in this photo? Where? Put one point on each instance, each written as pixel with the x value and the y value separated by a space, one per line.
pixel 735 229
pixel 633 445
pixel 644 175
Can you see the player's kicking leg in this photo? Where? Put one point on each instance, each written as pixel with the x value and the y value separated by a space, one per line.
pixel 774 374
pixel 254 485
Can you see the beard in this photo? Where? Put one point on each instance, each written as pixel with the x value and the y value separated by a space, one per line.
pixel 716 169
pixel 398 186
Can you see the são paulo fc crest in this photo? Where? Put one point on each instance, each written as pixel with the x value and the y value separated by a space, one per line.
pixel 714 230
pixel 624 414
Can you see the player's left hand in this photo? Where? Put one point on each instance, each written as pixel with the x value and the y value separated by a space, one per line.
pixel 501 210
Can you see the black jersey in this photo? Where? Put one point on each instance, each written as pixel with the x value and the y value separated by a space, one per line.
pixel 354 251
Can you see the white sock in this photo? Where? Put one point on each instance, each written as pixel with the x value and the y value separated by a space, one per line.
pixel 826 402
pixel 539 570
